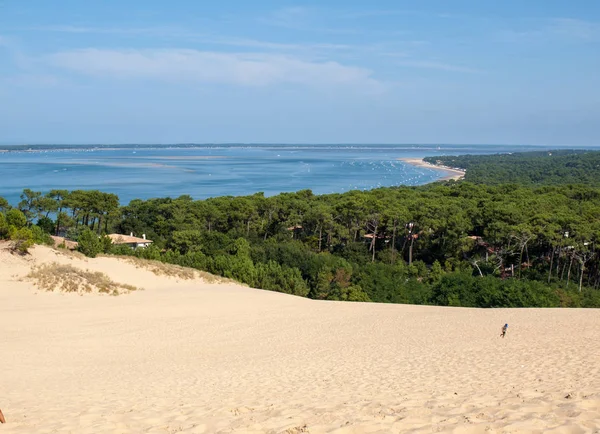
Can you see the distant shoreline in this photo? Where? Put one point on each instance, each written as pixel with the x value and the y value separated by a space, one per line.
pixel 454 174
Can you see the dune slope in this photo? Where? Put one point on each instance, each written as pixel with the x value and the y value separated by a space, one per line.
pixel 189 356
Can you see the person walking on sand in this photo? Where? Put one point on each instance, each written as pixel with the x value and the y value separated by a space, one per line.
pixel 504 329
pixel 2 420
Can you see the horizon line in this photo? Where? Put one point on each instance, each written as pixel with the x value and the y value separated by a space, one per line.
pixel 283 144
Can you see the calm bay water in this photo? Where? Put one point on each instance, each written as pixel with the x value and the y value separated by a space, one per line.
pixel 208 171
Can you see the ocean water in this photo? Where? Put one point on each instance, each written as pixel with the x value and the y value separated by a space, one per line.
pixel 203 171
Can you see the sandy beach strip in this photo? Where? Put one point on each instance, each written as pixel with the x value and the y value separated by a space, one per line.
pixel 455 174
pixel 188 356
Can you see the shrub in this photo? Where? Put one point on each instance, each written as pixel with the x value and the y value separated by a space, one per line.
pixel 3 226
pixel 241 248
pixel 191 259
pixel 186 241
pixel 89 243
pixel 464 289
pixel 106 244
pixel 150 252
pixel 41 237
pixel 22 239
pixel 46 224
pixel 74 233
pixel 350 293
pixel 275 277
pixel 122 250
pixel 16 218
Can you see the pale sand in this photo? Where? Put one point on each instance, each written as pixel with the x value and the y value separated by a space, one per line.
pixel 199 358
pixel 452 173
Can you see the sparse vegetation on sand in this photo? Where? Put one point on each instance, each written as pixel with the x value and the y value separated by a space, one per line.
pixel 172 270
pixel 67 278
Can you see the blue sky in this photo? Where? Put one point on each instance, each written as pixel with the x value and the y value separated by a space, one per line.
pixel 150 71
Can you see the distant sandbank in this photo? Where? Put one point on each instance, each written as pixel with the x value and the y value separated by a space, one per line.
pixel 455 174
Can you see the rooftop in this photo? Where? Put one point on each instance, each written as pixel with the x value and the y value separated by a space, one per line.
pixel 127 239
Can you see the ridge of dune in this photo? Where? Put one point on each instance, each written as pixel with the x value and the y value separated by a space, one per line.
pixel 122 270
pixel 197 357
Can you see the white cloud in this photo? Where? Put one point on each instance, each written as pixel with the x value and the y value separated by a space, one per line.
pixel 31 80
pixel 316 49
pixel 576 29
pixel 378 13
pixel 245 69
pixel 288 17
pixel 184 34
pixel 554 30
pixel 83 29
pixel 253 43
pixel 438 65
pixel 313 20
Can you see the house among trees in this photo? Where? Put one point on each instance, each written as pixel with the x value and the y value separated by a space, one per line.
pixel 130 240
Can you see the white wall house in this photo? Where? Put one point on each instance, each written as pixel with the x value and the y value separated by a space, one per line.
pixel 130 240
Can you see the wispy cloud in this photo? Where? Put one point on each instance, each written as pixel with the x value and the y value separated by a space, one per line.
pixel 241 69
pixel 170 32
pixel 576 29
pixel 253 43
pixel 100 30
pixel 290 17
pixel 393 54
pixel 391 46
pixel 440 66
pixel 555 29
pixel 187 35
pixel 31 80
pixel 304 19
pixel 378 13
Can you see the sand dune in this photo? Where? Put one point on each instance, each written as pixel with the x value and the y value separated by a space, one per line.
pixel 188 356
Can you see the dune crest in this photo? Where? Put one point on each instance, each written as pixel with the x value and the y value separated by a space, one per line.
pixel 186 355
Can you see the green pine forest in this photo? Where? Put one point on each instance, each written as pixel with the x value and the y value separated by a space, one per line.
pixel 529 168
pixel 519 231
